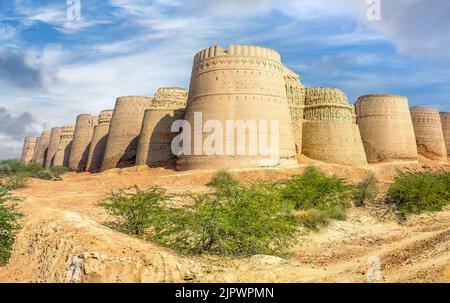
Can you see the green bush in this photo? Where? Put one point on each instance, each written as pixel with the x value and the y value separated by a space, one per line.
pixel 10 168
pixel 365 191
pixel 419 192
pixel 235 220
pixel 8 223
pixel 318 197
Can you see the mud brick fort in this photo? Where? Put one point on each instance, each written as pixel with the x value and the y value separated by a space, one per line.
pixel 245 83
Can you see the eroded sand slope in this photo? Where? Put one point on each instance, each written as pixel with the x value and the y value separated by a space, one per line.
pixel 64 238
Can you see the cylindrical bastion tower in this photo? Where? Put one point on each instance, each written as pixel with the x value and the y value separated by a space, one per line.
pixel 329 132
pixel 429 135
pixel 40 154
pixel 155 140
pixel 29 148
pixel 126 123
pixel 55 139
pixel 445 120
pixel 98 144
pixel 65 145
pixel 228 86
pixel 386 128
pixel 84 129
pixel 296 94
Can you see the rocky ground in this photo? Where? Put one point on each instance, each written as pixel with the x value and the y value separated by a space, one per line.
pixel 64 237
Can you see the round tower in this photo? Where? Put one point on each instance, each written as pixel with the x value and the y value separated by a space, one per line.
pixel 29 147
pixel 155 140
pixel 228 86
pixel 329 132
pixel 40 154
pixel 445 120
pixel 98 144
pixel 62 155
pixel 126 123
pixel 55 139
pixel 429 135
pixel 386 128
pixel 296 94
pixel 84 129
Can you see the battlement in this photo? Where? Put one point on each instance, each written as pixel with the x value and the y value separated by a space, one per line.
pixel 105 117
pixel 67 132
pixel 238 50
pixel 170 98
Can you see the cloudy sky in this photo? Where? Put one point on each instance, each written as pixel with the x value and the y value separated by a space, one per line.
pixel 53 67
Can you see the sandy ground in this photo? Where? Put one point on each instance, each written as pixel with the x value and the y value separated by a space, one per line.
pixel 64 237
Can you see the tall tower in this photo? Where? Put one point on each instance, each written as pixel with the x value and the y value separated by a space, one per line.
pixel 98 144
pixel 243 83
pixel 29 148
pixel 329 130
pixel 386 128
pixel 62 155
pixel 126 123
pixel 429 135
pixel 40 154
pixel 55 139
pixel 445 120
pixel 155 140
pixel 296 94
pixel 84 129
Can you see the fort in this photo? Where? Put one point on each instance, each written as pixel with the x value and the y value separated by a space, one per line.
pixel 55 139
pixel 84 129
pixel 239 83
pixel 40 154
pixel 98 143
pixel 124 131
pixel 386 128
pixel 62 155
pixel 154 147
pixel 329 132
pixel 243 105
pixel 428 132
pixel 445 120
pixel 29 147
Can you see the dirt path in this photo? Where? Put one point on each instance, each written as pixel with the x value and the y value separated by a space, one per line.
pixel 64 238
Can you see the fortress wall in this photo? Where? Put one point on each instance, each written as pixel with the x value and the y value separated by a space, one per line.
pixel 62 155
pixel 84 129
pixel 429 135
pixel 29 148
pixel 241 83
pixel 99 139
pixel 296 95
pixel 40 154
pixel 156 138
pixel 329 132
pixel 154 148
pixel 126 123
pixel 445 120
pixel 55 139
pixel 386 128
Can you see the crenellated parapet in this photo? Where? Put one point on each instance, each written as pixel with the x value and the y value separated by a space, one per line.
pixel 236 50
pixel 170 98
pixel 105 117
pixel 327 105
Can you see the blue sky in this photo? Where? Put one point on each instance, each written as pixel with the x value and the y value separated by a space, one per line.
pixel 52 68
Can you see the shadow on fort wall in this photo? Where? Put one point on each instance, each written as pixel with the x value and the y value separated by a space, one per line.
pixel 97 156
pixel 128 159
pixel 162 135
